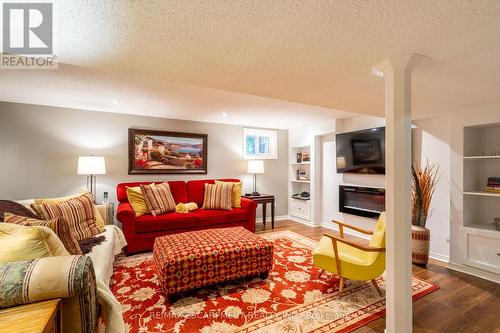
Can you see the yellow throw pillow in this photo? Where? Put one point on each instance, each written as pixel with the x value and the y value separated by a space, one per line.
pixel 58 225
pixel 136 199
pixel 18 242
pixel 236 195
pixel 98 217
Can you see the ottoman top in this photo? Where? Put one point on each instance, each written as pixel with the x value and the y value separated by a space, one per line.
pixel 207 242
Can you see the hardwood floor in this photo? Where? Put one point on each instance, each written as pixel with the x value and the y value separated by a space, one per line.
pixel 463 303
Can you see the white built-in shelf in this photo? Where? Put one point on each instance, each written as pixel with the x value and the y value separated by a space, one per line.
pixel 482 157
pixel 483 193
pixel 300 181
pixel 302 163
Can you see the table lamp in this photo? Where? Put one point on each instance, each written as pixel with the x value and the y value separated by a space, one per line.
pixel 255 167
pixel 91 166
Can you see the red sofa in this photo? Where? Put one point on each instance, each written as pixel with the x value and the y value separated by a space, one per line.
pixel 141 231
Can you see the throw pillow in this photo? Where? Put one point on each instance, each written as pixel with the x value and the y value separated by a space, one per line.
pixel 18 242
pixel 59 225
pixel 136 199
pixel 218 196
pixel 158 198
pixel 98 217
pixel 79 212
pixel 7 206
pixel 236 195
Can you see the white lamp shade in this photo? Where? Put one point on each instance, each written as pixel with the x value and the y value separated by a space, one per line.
pixel 255 166
pixel 91 165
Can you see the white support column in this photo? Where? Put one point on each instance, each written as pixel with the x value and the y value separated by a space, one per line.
pixel 397 75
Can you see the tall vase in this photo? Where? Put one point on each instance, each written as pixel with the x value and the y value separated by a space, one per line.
pixel 420 245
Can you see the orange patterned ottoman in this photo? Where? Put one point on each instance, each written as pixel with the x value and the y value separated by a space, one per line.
pixel 195 259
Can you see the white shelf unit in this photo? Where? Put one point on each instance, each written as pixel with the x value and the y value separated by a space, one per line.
pixel 300 209
pixel 480 240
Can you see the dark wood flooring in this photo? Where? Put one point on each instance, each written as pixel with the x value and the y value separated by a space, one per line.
pixel 463 303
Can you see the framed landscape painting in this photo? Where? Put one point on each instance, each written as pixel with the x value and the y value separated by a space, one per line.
pixel 162 152
pixel 260 144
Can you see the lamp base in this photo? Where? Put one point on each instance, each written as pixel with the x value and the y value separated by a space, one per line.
pixel 255 194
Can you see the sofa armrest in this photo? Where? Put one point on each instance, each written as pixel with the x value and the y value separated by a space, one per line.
pixel 125 213
pixel 250 206
pixel 71 278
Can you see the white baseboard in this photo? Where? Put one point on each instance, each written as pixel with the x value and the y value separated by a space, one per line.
pixel 335 227
pixel 276 218
pixel 302 221
pixel 439 257
pixel 475 272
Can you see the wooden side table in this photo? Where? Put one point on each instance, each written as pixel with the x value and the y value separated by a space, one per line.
pixel 264 199
pixel 40 317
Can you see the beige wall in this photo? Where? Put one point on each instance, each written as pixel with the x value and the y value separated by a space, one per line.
pixel 39 147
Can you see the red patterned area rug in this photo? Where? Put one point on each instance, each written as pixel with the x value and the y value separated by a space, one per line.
pixel 292 299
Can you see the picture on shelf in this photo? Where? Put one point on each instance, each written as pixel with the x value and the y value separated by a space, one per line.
pixel 302 175
pixel 303 157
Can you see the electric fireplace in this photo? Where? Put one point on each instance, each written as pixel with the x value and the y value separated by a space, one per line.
pixel 361 201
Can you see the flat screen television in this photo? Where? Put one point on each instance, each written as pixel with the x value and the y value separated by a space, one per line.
pixel 361 152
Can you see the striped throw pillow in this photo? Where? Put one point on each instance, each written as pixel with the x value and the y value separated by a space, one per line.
pixel 59 225
pixel 79 212
pixel 218 196
pixel 159 199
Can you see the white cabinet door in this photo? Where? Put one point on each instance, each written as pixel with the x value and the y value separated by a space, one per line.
pixel 483 252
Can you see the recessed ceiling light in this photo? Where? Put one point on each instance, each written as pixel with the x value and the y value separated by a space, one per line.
pixel 114 101
pixel 224 115
pixel 299 123
pixel 377 72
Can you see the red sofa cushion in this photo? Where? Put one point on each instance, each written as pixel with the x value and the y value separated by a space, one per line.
pixel 208 217
pixel 178 189
pixel 198 218
pixel 169 221
pixel 196 189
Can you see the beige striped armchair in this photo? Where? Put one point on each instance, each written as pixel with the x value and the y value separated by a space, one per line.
pixel 71 278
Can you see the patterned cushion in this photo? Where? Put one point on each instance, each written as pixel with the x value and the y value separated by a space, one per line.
pixel 98 218
pixel 79 212
pixel 236 194
pixel 218 196
pixel 158 198
pixel 59 225
pixel 199 258
pixel 136 199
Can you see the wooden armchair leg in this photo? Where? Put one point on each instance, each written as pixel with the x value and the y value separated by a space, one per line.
pixel 377 287
pixel 341 287
pixel 320 273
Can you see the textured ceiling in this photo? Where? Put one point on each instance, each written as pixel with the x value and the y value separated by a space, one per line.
pixel 312 52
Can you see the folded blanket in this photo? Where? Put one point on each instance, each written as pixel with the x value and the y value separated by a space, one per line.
pixel 186 207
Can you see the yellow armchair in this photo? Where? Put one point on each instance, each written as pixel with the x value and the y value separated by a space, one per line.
pixel 352 260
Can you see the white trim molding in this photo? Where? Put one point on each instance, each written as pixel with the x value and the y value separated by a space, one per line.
pixel 475 272
pixel 276 218
pixel 333 226
pixel 439 257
